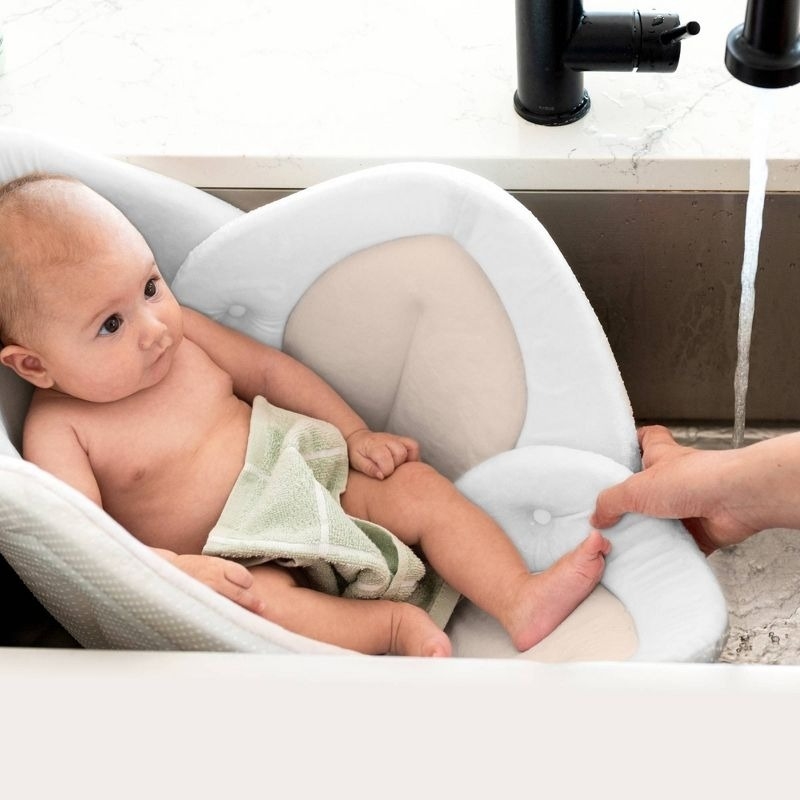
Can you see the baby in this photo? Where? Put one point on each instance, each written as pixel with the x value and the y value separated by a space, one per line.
pixel 145 407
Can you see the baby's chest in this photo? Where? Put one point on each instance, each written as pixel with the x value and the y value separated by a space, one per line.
pixel 162 431
pixel 143 447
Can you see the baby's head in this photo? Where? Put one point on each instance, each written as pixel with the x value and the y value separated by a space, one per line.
pixel 20 204
pixel 81 299
pixel 45 223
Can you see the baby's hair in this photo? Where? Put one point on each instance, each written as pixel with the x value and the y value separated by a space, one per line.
pixel 16 295
pixel 10 188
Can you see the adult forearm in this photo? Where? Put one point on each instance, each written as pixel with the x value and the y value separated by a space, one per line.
pixel 761 483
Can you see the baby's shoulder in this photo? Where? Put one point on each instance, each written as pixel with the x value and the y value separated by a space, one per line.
pixel 50 411
pixel 50 425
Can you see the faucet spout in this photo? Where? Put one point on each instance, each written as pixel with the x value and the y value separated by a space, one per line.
pixel 765 50
pixel 557 42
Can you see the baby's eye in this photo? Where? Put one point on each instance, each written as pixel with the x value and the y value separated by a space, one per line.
pixel 151 288
pixel 111 325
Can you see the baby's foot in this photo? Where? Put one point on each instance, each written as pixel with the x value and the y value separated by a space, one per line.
pixel 547 598
pixel 414 633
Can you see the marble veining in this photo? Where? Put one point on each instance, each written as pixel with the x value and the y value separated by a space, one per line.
pixel 270 94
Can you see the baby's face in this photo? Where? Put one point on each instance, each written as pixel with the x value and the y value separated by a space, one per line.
pixel 109 325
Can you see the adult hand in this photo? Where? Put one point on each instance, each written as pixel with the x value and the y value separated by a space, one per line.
pixel 683 483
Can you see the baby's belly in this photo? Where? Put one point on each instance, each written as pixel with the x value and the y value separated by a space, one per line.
pixel 176 506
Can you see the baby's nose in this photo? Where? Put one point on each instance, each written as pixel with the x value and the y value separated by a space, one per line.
pixel 153 332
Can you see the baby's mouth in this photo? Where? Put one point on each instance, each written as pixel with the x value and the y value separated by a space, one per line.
pixel 164 350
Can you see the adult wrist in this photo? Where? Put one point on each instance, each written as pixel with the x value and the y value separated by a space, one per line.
pixel 763 482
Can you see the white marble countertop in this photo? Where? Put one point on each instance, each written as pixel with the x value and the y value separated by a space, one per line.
pixel 277 94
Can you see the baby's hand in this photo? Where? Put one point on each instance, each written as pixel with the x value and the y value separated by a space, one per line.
pixel 230 579
pixel 379 454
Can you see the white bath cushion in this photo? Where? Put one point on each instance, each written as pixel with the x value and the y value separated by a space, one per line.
pixel 251 273
pixel 412 334
pixel 111 591
pixel 543 496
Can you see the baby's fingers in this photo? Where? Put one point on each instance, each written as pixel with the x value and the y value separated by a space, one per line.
pixel 392 453
pixel 411 449
pixel 379 462
pixel 227 578
pixel 238 575
pixel 236 587
pixel 245 598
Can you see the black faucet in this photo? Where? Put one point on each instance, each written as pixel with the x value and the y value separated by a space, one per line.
pixel 765 50
pixel 557 41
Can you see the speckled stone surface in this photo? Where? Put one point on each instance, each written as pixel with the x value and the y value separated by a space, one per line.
pixel 759 577
pixel 761 582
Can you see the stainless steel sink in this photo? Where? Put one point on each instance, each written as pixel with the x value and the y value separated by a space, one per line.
pixel 662 271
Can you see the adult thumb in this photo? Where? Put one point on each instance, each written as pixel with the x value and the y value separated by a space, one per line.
pixel 612 503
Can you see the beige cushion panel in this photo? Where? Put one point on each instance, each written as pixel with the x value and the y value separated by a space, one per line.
pixel 599 629
pixel 414 336
pixel 412 333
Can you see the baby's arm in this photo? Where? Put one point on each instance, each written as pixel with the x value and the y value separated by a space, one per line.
pixel 258 369
pixel 50 442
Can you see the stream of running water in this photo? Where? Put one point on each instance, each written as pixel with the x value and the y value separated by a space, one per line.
pixel 752 236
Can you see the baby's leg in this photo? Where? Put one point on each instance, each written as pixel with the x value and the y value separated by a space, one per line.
pixel 473 554
pixel 374 627
pixel 547 598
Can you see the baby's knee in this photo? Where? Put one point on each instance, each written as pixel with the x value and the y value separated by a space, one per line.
pixel 418 477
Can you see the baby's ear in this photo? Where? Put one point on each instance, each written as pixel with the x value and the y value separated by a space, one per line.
pixel 26 364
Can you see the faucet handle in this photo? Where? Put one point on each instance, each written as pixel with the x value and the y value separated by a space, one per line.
pixel 661 40
pixel 681 32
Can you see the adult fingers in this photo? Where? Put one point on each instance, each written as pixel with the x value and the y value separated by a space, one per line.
pixel 657 443
pixel 615 501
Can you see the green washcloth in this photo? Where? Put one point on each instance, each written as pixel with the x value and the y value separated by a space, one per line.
pixel 284 508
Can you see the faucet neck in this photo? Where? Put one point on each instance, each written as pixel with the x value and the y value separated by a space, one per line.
pixel 544 30
pixel 770 26
pixel 765 50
